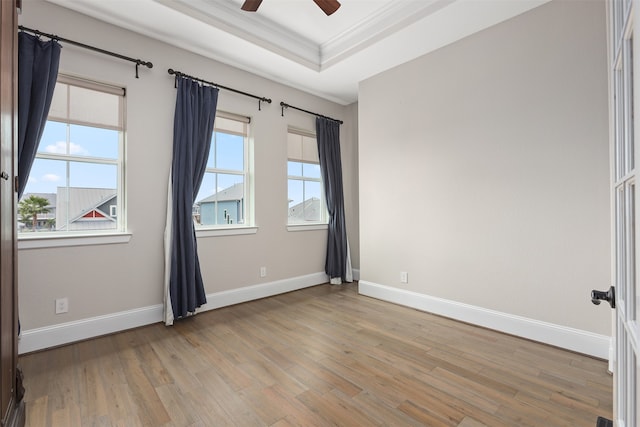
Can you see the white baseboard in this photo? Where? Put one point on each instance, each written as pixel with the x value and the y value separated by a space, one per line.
pixel 612 356
pixel 263 290
pixel 64 333
pixel 560 336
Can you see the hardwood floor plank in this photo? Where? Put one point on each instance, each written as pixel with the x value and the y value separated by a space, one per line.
pixel 36 414
pixel 561 416
pixel 268 374
pixel 181 412
pixel 333 410
pixel 152 366
pixel 147 402
pixel 176 367
pixel 268 404
pixel 92 389
pixel 273 404
pixel 381 413
pixel 459 400
pixel 483 387
pixel 470 422
pixel 320 356
pixel 521 381
pixel 573 389
pixel 235 409
pixel 317 377
pixel 207 408
pixel 121 404
pixel 426 416
pixel 230 373
pixel 519 413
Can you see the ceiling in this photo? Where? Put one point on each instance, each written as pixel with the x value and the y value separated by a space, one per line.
pixel 295 43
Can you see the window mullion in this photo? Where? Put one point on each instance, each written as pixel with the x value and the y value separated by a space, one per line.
pixel 83 123
pixel 62 157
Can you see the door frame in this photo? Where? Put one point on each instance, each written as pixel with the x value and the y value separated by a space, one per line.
pixel 623 59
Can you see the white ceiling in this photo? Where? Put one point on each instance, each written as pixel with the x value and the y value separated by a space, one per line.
pixel 294 42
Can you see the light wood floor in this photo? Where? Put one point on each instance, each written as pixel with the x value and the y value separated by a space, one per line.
pixel 319 356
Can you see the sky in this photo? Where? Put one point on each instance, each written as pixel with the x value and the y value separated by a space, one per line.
pixel 88 144
pixel 302 190
pixel 227 152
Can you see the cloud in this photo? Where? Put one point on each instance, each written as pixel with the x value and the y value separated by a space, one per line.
pixel 50 177
pixel 60 147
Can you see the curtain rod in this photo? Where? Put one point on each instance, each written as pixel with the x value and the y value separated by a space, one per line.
pixel 86 46
pixel 284 105
pixel 260 99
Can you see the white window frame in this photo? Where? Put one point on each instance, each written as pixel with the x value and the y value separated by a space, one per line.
pixel 324 216
pixel 89 237
pixel 248 226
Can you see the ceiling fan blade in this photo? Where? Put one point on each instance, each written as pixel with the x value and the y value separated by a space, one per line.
pixel 251 5
pixel 328 6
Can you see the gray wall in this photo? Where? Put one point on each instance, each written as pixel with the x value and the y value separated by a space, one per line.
pixel 494 153
pixel 135 278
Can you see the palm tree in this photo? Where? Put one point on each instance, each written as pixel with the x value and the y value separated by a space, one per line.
pixel 30 207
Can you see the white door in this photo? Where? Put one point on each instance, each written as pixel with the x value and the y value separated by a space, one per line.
pixel 621 15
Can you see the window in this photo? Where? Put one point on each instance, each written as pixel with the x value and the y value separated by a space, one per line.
pixel 76 181
pixel 222 200
pixel 306 195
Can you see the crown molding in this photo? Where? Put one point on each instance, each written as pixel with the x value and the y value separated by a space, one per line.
pixel 250 27
pixel 265 33
pixel 388 20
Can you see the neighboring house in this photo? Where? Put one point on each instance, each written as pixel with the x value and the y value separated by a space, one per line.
pixel 229 209
pixel 86 209
pixel 306 211
pixel 45 221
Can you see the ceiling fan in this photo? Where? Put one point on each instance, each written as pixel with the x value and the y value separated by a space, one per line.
pixel 327 6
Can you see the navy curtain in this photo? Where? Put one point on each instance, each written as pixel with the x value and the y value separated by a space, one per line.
pixel 192 132
pixel 337 264
pixel 37 73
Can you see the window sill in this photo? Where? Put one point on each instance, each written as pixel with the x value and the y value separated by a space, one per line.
pixel 306 227
pixel 51 241
pixel 227 231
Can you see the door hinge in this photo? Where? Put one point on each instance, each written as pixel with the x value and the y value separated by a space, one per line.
pixel 16 184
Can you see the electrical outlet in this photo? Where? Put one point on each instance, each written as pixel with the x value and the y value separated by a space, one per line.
pixel 404 277
pixel 263 271
pixel 62 305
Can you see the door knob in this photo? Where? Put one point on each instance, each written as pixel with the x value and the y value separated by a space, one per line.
pixel 4 175
pixel 609 296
